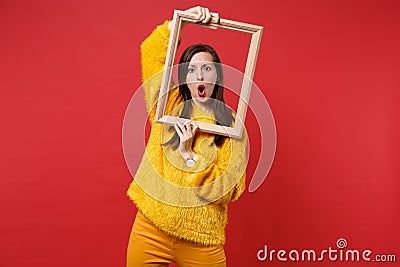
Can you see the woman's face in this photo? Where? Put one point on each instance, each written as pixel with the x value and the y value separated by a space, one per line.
pixel 201 76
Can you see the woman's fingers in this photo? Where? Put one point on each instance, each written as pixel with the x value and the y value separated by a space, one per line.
pixel 199 12
pixel 196 11
pixel 180 127
pixel 178 130
pixel 214 17
pixel 186 134
pixel 208 16
pixel 186 131
pixel 195 127
pixel 182 131
pixel 203 14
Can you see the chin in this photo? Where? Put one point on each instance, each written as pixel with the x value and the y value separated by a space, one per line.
pixel 202 99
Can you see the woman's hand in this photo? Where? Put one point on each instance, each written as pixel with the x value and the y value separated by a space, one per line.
pixel 202 15
pixel 186 133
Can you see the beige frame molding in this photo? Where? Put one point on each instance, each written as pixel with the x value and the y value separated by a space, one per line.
pixel 256 33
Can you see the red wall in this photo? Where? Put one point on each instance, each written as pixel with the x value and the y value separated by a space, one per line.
pixel 329 70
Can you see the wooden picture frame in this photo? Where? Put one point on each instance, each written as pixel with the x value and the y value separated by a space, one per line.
pixel 256 33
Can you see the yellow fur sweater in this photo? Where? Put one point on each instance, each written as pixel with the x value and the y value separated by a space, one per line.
pixel 188 203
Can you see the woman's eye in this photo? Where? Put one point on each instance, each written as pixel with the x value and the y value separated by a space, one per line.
pixel 208 68
pixel 191 70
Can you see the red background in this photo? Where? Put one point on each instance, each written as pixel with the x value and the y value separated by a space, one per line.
pixel 330 72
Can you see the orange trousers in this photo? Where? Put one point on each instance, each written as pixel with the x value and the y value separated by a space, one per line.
pixel 150 246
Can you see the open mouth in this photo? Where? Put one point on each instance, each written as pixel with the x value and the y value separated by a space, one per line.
pixel 201 90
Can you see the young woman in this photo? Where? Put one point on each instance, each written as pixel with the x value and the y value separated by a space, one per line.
pixel 186 177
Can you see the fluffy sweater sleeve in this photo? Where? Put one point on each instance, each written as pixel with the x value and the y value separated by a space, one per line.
pixel 153 51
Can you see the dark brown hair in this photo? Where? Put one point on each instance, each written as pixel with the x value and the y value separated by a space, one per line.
pixel 223 114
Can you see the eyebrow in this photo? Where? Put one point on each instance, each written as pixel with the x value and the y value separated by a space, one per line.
pixel 205 64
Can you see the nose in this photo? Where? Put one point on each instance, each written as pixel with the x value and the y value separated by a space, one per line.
pixel 200 75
